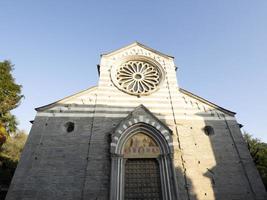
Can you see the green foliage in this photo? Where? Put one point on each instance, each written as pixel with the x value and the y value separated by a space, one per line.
pixel 10 146
pixel 14 146
pixel 10 96
pixel 258 151
pixel 9 156
pixel 3 134
pixel 9 90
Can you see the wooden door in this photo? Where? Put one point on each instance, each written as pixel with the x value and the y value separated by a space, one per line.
pixel 142 179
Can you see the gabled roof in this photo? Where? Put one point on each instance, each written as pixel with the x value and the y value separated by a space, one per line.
pixel 137 44
pixel 142 115
pixel 41 108
pixel 206 102
pixel 144 111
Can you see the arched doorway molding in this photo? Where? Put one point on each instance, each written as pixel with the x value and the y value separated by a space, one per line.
pixel 141 115
pixel 163 141
pixel 162 135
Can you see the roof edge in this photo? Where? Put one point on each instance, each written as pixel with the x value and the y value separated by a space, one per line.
pixel 141 45
pixel 207 102
pixel 41 108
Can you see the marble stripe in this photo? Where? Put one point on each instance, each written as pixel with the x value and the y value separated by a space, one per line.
pixel 155 111
pixel 167 117
pixel 154 108
pixel 113 144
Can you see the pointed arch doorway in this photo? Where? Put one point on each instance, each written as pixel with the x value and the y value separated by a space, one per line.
pixel 142 172
pixel 141 164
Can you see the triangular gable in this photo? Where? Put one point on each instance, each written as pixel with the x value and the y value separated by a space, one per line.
pixel 140 115
pixel 133 45
pixel 75 98
pixel 206 102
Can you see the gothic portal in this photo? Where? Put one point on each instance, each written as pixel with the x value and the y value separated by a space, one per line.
pixel 136 135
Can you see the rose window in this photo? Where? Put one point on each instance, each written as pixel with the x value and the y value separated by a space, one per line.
pixel 138 77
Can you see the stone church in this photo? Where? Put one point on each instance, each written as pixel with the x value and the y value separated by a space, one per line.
pixel 135 136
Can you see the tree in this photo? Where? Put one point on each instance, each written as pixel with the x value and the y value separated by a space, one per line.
pixel 10 96
pixel 258 151
pixel 10 153
pixel 14 146
pixel 10 146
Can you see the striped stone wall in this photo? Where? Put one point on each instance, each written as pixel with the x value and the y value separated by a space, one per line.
pixel 57 164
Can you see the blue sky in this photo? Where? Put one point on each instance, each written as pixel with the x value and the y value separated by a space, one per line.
pixel 220 48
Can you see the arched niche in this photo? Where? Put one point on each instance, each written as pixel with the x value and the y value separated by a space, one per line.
pixel 142 141
pixel 140 145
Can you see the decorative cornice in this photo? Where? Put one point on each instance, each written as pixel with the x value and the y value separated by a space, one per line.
pixel 231 113
pixel 137 44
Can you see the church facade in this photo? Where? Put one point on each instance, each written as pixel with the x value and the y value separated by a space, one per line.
pixel 136 135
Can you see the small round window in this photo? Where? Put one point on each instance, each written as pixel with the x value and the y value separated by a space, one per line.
pixel 69 127
pixel 208 130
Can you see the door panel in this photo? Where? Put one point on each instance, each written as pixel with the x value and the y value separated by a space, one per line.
pixel 142 180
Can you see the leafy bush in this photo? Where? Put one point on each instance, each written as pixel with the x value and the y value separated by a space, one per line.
pixel 10 153
pixel 258 151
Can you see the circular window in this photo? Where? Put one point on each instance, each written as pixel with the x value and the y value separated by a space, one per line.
pixel 69 126
pixel 138 77
pixel 208 130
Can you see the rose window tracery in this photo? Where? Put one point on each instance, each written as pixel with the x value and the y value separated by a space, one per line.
pixel 138 77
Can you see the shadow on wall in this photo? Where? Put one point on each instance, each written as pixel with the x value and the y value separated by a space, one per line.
pixel 185 185
pixel 229 176
pixel 217 163
pixel 52 151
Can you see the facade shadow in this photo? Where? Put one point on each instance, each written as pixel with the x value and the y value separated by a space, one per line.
pixel 209 163
pixel 233 174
